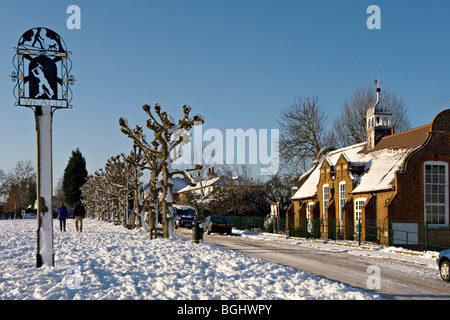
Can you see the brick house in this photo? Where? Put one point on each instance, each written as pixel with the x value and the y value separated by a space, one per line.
pixel 392 189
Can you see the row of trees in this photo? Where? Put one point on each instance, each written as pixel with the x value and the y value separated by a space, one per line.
pixel 115 193
pixel 108 192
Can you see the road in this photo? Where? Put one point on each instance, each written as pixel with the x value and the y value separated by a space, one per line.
pixel 391 278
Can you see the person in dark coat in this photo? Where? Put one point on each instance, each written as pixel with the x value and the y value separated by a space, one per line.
pixel 63 214
pixel 79 212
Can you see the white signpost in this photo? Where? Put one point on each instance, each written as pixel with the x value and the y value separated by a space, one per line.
pixel 44 185
pixel 42 79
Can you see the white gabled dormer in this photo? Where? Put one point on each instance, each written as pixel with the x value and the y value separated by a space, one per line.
pixel 378 121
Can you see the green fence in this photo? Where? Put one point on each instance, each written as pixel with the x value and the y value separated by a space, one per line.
pixel 412 235
pixel 248 222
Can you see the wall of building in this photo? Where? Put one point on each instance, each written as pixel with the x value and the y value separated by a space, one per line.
pixel 408 205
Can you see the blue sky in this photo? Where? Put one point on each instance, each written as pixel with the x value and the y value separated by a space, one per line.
pixel 238 63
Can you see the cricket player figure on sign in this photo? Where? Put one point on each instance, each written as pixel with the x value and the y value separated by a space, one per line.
pixel 42 56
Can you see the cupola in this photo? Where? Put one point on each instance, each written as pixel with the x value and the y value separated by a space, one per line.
pixel 378 121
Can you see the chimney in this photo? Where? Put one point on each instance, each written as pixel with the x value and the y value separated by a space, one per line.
pixel 211 173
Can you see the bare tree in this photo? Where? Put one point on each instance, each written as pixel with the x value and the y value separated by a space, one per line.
pixel 58 195
pixel 303 132
pixel 350 125
pixel 20 184
pixel 162 149
pixel 3 191
pixel 277 189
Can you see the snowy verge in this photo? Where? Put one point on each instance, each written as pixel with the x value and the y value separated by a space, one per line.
pixel 108 262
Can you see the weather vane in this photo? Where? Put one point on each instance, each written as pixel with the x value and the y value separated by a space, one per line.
pixel 377 82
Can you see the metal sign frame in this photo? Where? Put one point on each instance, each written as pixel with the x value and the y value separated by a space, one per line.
pixel 43 67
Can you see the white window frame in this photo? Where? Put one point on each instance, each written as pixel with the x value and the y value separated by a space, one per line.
pixel 326 200
pixel 359 204
pixel 433 197
pixel 309 207
pixel 342 197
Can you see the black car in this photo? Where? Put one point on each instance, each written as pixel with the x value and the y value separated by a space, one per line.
pixel 185 216
pixel 219 224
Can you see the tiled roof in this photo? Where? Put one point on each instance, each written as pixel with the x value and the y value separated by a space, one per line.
pixel 412 138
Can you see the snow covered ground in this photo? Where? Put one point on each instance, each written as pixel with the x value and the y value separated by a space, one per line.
pixel 108 262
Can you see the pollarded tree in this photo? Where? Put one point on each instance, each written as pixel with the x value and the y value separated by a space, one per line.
pixel 75 176
pixel 159 154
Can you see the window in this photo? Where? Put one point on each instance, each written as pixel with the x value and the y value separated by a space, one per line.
pixel 309 207
pixel 436 193
pixel 326 198
pixel 359 204
pixel 341 203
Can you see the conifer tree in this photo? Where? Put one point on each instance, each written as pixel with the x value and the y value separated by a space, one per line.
pixel 75 176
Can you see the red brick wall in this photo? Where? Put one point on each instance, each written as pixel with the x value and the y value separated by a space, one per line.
pixel 408 203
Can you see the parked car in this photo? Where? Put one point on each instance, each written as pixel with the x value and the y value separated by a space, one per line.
pixel 30 215
pixel 185 216
pixel 219 224
pixel 443 262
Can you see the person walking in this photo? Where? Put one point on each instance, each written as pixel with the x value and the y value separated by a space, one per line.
pixel 79 212
pixel 63 214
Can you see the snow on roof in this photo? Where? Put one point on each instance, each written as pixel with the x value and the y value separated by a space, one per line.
pixel 309 188
pixel 235 180
pixel 179 183
pixel 200 184
pixel 380 168
pixel 379 164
